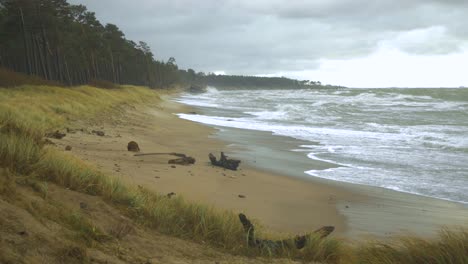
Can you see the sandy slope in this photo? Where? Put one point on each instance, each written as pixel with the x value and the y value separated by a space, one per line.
pixel 27 235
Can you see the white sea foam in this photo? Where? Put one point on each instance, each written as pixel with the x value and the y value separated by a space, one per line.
pixel 198 103
pixel 212 90
pixel 411 140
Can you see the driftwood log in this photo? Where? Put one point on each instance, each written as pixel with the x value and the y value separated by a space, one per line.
pixel 182 160
pixel 224 162
pixel 298 242
pixel 161 153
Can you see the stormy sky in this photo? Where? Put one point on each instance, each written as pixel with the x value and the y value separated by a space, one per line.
pixel 356 43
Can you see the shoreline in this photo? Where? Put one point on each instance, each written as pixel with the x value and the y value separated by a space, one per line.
pixel 319 164
pixel 395 212
pixel 281 203
pixel 419 214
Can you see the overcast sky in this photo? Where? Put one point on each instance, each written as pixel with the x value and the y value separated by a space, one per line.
pixel 356 43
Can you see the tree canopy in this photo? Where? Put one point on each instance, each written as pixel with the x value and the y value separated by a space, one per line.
pixel 62 42
pixel 248 82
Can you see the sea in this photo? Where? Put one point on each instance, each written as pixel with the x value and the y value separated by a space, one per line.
pixel 412 140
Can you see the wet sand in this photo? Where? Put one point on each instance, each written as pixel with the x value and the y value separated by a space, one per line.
pixel 369 211
pixel 278 198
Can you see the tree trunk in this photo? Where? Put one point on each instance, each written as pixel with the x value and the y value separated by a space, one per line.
pixel 36 65
pixel 58 66
pixel 114 78
pixel 41 58
pixel 26 49
pixel 48 75
pixel 67 72
pixel 1 58
pixel 119 71
pixel 276 246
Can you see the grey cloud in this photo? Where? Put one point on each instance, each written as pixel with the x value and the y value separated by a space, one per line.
pixel 268 36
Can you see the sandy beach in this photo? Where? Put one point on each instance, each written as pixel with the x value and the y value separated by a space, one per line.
pixel 282 203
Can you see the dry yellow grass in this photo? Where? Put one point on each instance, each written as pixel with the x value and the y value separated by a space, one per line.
pixel 450 247
pixel 28 112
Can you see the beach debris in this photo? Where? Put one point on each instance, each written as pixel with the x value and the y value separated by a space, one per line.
pixel 169 195
pixel 133 146
pixel 74 130
pixel 98 133
pixel 298 242
pixel 68 148
pixel 224 162
pixel 181 160
pixel 241 196
pixel 57 135
pixel 173 166
pixel 192 113
pixel 161 153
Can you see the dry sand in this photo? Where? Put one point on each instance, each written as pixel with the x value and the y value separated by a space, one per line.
pixel 282 204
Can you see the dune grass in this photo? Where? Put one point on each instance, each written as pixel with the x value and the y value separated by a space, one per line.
pixel 28 112
pixel 450 247
pixel 172 216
